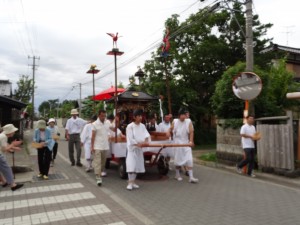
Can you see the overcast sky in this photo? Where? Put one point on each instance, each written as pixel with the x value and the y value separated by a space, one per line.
pixel 70 35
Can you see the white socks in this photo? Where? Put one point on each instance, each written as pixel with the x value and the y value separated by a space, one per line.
pixel 131 177
pixel 191 174
pixel 177 173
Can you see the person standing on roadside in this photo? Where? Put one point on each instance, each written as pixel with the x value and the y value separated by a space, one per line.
pixel 43 136
pixel 73 129
pixel 100 145
pixel 8 177
pixel 55 133
pixel 247 134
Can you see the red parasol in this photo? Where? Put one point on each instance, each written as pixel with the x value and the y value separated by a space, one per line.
pixel 107 94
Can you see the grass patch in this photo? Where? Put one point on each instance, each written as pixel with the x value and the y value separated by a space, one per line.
pixel 211 157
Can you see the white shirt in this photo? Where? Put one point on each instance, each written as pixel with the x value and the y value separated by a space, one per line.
pixel 248 130
pixel 74 126
pixel 135 134
pixel 3 141
pixel 101 136
pixel 164 127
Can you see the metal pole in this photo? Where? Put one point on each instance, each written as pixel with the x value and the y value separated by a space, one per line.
pixel 33 81
pixel 116 102
pixel 94 106
pixel 168 88
pixel 79 99
pixel 249 36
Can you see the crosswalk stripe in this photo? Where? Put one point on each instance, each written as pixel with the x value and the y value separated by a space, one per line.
pixel 117 223
pixel 58 215
pixel 42 189
pixel 46 200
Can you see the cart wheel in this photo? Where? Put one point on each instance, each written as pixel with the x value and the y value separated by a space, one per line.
pixel 122 168
pixel 162 166
pixel 107 163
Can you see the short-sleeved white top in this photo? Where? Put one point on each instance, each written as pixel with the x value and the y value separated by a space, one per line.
pixel 248 130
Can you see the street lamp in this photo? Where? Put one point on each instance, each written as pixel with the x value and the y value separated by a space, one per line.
pixel 93 71
pixel 140 74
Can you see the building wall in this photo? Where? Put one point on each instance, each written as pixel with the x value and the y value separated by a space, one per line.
pixel 295 68
pixel 229 149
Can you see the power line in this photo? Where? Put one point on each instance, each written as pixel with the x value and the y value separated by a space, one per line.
pixel 157 43
pixel 26 28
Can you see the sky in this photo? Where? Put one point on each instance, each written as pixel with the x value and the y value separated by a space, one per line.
pixel 67 36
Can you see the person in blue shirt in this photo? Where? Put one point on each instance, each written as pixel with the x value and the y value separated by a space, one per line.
pixel 43 135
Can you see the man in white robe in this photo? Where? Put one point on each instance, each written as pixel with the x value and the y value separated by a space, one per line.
pixel 183 133
pixel 136 136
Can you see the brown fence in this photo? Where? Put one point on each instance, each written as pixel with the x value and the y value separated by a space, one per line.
pixel 276 148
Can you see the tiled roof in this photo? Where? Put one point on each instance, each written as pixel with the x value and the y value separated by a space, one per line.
pixel 275 47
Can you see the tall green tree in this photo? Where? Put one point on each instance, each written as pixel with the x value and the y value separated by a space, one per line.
pixel 24 89
pixel 272 101
pixel 202 48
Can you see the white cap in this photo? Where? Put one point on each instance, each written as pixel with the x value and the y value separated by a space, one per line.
pixel 51 120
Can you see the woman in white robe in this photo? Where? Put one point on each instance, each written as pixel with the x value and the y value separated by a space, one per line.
pixel 136 136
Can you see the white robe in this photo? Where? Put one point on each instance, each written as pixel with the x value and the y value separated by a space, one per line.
pixel 183 155
pixel 85 138
pixel 135 158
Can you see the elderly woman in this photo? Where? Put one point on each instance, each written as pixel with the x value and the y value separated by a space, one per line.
pixel 43 135
pixel 8 178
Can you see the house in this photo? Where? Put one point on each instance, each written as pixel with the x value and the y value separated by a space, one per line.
pixel 292 57
pixel 10 109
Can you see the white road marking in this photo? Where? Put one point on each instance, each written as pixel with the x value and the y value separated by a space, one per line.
pixel 45 200
pixel 41 189
pixel 58 215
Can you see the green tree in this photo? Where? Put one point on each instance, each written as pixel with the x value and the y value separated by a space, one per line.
pixel 202 48
pixel 24 89
pixel 277 81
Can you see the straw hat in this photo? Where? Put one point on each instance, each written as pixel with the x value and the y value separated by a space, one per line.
pixel 74 112
pixel 51 120
pixel 9 128
pixel 41 124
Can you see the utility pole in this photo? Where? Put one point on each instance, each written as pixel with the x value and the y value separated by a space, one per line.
pixel 249 36
pixel 33 86
pixel 80 99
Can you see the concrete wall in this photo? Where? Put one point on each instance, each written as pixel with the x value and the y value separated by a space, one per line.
pixel 229 149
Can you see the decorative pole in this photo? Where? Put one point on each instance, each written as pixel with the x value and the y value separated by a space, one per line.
pixel 93 71
pixel 115 52
pixel 165 54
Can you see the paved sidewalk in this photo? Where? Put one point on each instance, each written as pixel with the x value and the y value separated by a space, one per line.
pixel 223 197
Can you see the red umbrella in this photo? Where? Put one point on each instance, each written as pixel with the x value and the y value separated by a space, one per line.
pixel 107 94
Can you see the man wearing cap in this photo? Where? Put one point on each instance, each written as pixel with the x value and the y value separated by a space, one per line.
pixel 43 136
pixel 183 133
pixel 55 133
pixel 73 129
pixel 8 131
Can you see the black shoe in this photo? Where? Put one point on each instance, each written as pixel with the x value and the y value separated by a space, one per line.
pixel 16 187
pixel 79 164
pixel 5 185
pixel 72 164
